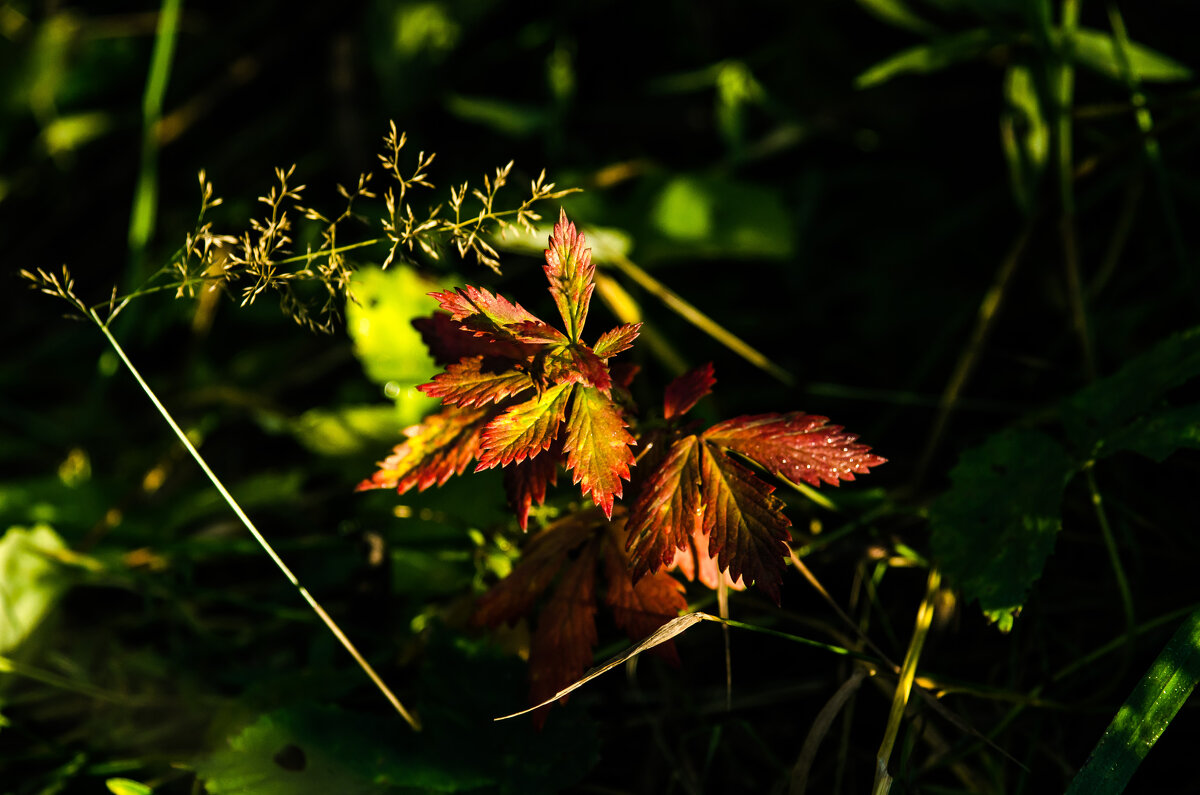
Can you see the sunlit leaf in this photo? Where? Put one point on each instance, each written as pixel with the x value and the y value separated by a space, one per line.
pixel 1140 722
pixel 524 430
pixel 32 578
pixel 668 510
pixel 597 446
pixel 797 446
pixel 571 274
pixel 617 340
pixel 441 446
pixel 472 382
pixel 747 530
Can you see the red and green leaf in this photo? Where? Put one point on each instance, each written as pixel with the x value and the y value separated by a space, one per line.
pixel 442 445
pixel 687 390
pixel 640 609
pixel 576 364
pixel 796 446
pixel 524 430
pixel 597 446
pixel 617 340
pixel 471 383
pixel 570 271
pixel 561 649
pixel 747 530
pixel 668 511
pixel 526 483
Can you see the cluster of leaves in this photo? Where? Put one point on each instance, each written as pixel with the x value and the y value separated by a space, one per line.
pixel 524 395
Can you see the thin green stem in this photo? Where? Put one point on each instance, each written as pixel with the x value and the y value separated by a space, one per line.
pixel 249 525
pixel 1110 544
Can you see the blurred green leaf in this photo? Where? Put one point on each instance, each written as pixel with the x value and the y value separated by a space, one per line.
pixel 424 27
pixel 995 527
pixel 349 430
pixel 125 786
pixel 710 216
pixel 931 57
pixel 31 581
pixel 379 320
pixel 1097 50
pixel 1145 715
pixel 895 12
pixel 507 118
pixel 1104 407
pixel 431 572
pixel 606 243
pixel 1025 134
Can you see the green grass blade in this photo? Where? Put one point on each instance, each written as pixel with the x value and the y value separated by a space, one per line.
pixel 145 197
pixel 1145 715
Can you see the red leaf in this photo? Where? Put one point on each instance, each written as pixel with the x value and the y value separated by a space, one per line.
pixel 668 511
pixel 597 446
pixel 538 333
pixel 513 597
pixel 448 341
pixel 747 531
pixel 686 391
pixel 796 446
pixel 523 430
pixel 470 383
pixel 570 271
pixel 561 649
pixel 467 302
pixel 695 563
pixel 526 483
pixel 440 446
pixel 575 364
pixel 642 608
pixel 616 340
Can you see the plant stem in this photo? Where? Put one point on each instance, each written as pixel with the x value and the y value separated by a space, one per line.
pixel 249 525
pixel 1110 544
pixel 908 671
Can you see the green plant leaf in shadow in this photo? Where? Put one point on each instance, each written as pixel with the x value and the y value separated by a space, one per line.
pixel 1097 51
pixel 350 430
pixel 507 118
pixel 1144 716
pixel 1158 434
pixel 995 527
pixel 696 215
pixel 931 57
pixel 1106 406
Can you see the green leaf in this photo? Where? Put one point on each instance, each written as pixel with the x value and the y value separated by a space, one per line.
pixel 379 315
pixel 31 581
pixel 932 57
pixel 320 750
pixel 995 527
pixel 1145 715
pixel 348 430
pixel 1107 405
pixel 125 786
pixel 507 118
pixel 896 13
pixel 695 215
pixel 1158 434
pixel 1097 51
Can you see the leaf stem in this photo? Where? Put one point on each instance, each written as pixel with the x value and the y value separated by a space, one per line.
pixel 249 525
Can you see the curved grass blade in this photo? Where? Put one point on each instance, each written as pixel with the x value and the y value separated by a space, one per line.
pixel 1145 715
